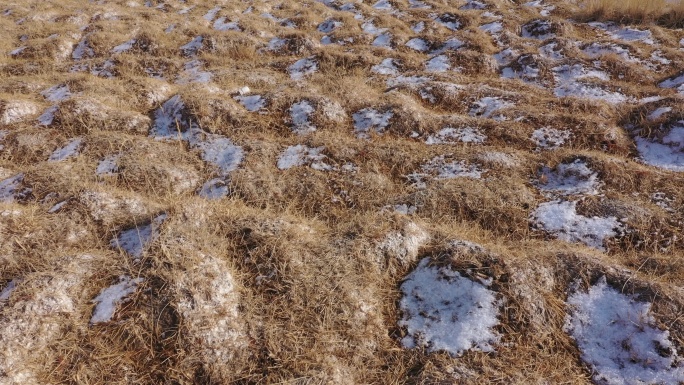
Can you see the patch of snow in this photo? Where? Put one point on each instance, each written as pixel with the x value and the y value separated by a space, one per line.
pixel 417 4
pixel 252 103
pixel 300 113
pixel 596 50
pixel 619 339
pixel 57 93
pixel 214 189
pixel 538 29
pixel 384 5
pixel 110 297
pixel 72 148
pixel 444 311
pixel 569 178
pixel 386 67
pixel 123 47
pixel 209 16
pixel 48 116
pixel 10 188
pixel 222 24
pixel 569 84
pixel 493 27
pixel 108 166
pixel 450 135
pixel 82 50
pixel 370 28
pixel 551 51
pixel 407 81
pixel 58 206
pixel 505 56
pixel 438 63
pixel 303 67
pixel 418 44
pixel 300 155
pixel 668 152
pixel 192 47
pixel 194 73
pixel 418 27
pixel 134 241
pixel 473 4
pixel 329 25
pixel 383 40
pixel 676 81
pixel 450 21
pixel 656 114
pixel 7 291
pixel 276 44
pixel 440 168
pixel 15 111
pixel 370 120
pixel 561 219
pixel 625 33
pixel 488 106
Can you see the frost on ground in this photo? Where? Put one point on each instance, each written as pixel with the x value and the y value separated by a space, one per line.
pixel 134 241
pixel 667 152
pixel 300 155
pixel 618 338
pixel 569 178
pixel 303 67
pixel 111 296
pixel 549 138
pixel 570 82
pixel 370 120
pixel 72 148
pixel 561 219
pixel 441 168
pixel 36 319
pixel 444 311
pixel 451 135
pixel 300 113
pixel 209 302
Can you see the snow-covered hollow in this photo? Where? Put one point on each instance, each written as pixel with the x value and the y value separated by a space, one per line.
pixel 444 311
pixel 617 337
pixel 111 296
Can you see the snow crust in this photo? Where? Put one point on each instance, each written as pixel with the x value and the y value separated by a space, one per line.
pixel 108 299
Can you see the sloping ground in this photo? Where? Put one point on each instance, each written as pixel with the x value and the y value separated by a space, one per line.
pixel 330 192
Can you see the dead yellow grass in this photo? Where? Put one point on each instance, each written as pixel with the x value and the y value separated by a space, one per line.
pixel 669 13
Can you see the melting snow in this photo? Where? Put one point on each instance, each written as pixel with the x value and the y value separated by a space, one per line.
pixel 123 47
pixel 438 63
pixel 222 24
pixel 383 40
pixel 368 120
pixel 251 102
pixel 549 138
pixel 110 297
pixel 569 178
pixel 561 218
pixel 300 113
pixel 329 25
pixel 191 48
pixel 214 189
pixel 444 311
pixel 569 84
pixel 450 21
pixel 108 165
pixel 625 33
pixel 493 27
pixel 473 4
pixel 618 338
pixel 487 106
pixel 667 153
pixel 655 115
pixel 10 187
pixel 57 93
pixel 676 81
pixel 302 68
pixel 450 135
pixel 440 168
pixel 82 50
pixel 300 155
pixel 135 240
pixel 418 44
pixel 70 149
pixel 7 291
pixel 386 67
pixel 538 29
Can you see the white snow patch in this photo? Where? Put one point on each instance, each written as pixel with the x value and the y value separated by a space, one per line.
pixel 596 50
pixel 561 218
pixel 123 47
pixel 82 50
pixel 444 311
pixel 550 138
pixel 134 241
pixel 194 73
pixel 111 296
pixel 569 178
pixel 440 168
pixel 451 135
pixel 72 148
pixel 505 56
pixel 438 63
pixel 418 27
pixel 209 16
pixel 625 33
pixel 7 291
pixel 619 339
pixel 300 113
pixel 108 166
pixel 538 29
pixel 383 40
pixel 488 106
pixel 303 67
pixel 329 25
pixel 493 27
pixel 673 82
pixel 277 43
pixel 214 189
pixel 568 84
pixel 473 4
pixel 300 155
pixel 10 187
pixel 656 114
pixel 449 21
pixel 418 44
pixel 370 120
pixel 384 5
pixel 417 4
pixel 551 51
pixel 668 152
pixel 386 67
pixel 222 24
pixel 252 103
pixel 47 117
pixel 192 47
pixel 370 28
pixel 57 93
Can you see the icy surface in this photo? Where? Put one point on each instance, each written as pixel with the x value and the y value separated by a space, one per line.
pixel 134 241
pixel 386 67
pixel 222 24
pixel 111 296
pixel 10 187
pixel 444 311
pixel 488 106
pixel 438 63
pixel 418 44
pixel 618 338
pixel 569 83
pixel 300 113
pixel 251 102
pixel 370 120
pixel 69 150
pixel 7 290
pixel 569 178
pixel 441 168
pixel 561 218
pixel 303 67
pixel 625 33
pixel 214 189
pixel 667 153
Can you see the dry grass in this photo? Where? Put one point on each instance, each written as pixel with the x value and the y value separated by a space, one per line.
pixel 668 13
pixel 294 277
